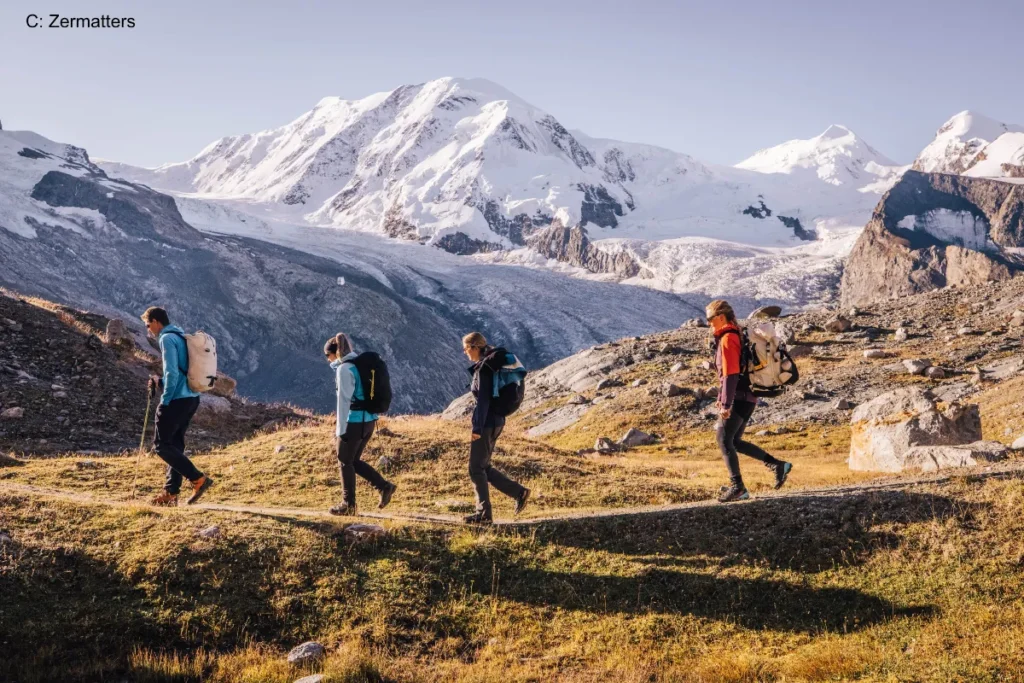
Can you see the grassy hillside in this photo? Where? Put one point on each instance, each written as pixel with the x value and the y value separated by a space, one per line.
pixel 919 584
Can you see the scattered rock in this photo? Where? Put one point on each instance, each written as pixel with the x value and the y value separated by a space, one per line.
pixel 639 382
pixel 578 400
pixel 799 351
pixel 384 463
pixel 710 393
pixel 842 404
pixel 604 445
pixel 315 678
pixel 671 390
pixel 86 464
pixel 838 324
pixel 706 365
pixel 360 533
pixel 280 448
pixel 13 414
pixel 935 373
pixel 211 532
pixel 877 353
pixel 676 368
pixel 310 652
pixel 634 437
pixel 9 460
pixel 885 428
pixel 608 382
pixel 11 325
pixel 1017 319
pixel 668 349
pixel 1018 445
pixel 917 366
pixel 694 322
pixel 965 331
pixel 60 394
pixel 901 334
pixel 763 432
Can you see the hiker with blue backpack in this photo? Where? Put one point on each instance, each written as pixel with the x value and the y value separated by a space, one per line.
pixel 363 391
pixel 737 394
pixel 498 386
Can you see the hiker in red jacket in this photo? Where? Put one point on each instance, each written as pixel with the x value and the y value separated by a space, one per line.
pixel 736 403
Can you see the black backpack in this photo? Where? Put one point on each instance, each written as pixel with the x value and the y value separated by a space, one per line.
pixel 376 382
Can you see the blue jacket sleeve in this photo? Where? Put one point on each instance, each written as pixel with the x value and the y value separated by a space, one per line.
pixel 483 400
pixel 172 370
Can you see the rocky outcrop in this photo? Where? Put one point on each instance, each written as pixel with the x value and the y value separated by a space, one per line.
pixel 571 245
pixel 461 244
pixel 885 430
pixel 932 230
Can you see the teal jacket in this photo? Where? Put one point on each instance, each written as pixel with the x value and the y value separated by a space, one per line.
pixel 175 357
pixel 349 388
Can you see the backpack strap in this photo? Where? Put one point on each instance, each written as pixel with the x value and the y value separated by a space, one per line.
pixel 184 371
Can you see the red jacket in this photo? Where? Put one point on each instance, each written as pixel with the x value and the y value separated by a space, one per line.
pixel 733 385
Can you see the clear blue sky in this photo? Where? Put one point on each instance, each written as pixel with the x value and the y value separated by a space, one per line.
pixel 717 80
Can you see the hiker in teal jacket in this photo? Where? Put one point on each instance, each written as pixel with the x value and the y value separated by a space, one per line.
pixel 353 429
pixel 178 404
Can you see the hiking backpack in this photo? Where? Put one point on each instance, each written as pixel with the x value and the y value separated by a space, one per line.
pixel 764 359
pixel 376 383
pixel 201 349
pixel 509 383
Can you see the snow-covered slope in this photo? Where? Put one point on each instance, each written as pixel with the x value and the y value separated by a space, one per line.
pixel 468 166
pixel 959 141
pixel 1002 158
pixel 836 156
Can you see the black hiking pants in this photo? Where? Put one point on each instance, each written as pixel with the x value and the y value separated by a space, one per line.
pixel 350 452
pixel 482 474
pixel 171 423
pixel 729 434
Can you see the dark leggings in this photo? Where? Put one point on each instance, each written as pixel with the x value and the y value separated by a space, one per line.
pixel 482 473
pixel 729 434
pixel 350 452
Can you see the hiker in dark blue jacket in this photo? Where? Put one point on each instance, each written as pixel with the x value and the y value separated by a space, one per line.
pixel 178 404
pixel 487 427
pixel 354 429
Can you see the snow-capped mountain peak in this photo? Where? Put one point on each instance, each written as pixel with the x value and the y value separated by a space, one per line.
pixel 959 140
pixel 836 156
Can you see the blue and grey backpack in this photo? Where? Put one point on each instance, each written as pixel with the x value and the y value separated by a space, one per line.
pixel 509 381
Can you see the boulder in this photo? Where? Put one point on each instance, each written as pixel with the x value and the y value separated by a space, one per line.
pixel 1017 319
pixel 604 445
pixel 917 366
pixel 634 437
pixel 117 330
pixel 842 404
pixel 224 386
pixel 307 653
pixel 839 324
pixel 217 405
pixel 885 428
pixel 935 373
pixel 460 408
pixel 608 383
pixel 676 368
pixel 877 353
pixel 934 458
pixel 1018 445
pixel 13 414
pixel 577 400
pixel 360 533
pixel 901 334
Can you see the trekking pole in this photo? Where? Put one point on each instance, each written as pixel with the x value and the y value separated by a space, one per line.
pixel 142 440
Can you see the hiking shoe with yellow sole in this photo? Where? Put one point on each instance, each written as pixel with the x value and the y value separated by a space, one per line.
pixel 199 487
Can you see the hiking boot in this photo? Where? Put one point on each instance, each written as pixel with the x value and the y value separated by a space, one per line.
pixel 481 518
pixel 385 496
pixel 199 487
pixel 165 500
pixel 521 500
pixel 344 510
pixel 734 493
pixel 781 470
